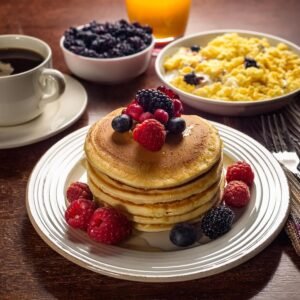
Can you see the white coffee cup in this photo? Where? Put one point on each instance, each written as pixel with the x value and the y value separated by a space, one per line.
pixel 23 96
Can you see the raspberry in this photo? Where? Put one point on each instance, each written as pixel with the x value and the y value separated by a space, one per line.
pixel 151 100
pixel 168 92
pixel 240 171
pixel 109 226
pixel 178 108
pixel 150 134
pixel 161 116
pixel 79 190
pixel 236 194
pixel 217 222
pixel 145 116
pixel 134 111
pixel 79 213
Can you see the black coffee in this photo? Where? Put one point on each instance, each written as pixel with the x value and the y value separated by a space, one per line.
pixel 19 60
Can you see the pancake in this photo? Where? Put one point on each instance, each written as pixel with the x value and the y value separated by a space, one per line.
pixel 181 159
pixel 164 227
pixel 140 196
pixel 157 210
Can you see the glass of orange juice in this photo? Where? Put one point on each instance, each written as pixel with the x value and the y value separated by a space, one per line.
pixel 168 18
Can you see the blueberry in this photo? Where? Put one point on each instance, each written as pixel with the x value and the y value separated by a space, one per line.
pixel 89 53
pixel 147 38
pixel 79 43
pixel 115 52
pixel 191 78
pixel 67 44
pixel 126 49
pixel 183 235
pixel 123 22
pixel 250 62
pixel 72 31
pixel 140 32
pixel 122 123
pixel 77 49
pixel 148 29
pixel 99 29
pixel 137 24
pixel 86 36
pixel 176 125
pixel 98 45
pixel 136 42
pixel 86 27
pixel 195 48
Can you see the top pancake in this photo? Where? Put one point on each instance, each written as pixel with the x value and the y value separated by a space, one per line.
pixel 181 159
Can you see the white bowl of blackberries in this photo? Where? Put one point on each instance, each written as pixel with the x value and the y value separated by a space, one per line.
pixel 110 52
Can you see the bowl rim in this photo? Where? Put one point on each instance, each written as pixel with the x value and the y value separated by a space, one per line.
pixel 61 43
pixel 159 58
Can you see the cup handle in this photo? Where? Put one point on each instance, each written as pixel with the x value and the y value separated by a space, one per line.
pixel 52 83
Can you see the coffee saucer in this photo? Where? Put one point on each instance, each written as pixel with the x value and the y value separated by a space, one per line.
pixel 56 117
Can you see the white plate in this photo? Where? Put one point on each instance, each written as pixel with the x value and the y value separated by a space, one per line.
pixel 148 256
pixel 57 116
pixel 222 107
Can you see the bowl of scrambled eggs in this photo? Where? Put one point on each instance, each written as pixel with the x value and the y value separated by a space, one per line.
pixel 232 72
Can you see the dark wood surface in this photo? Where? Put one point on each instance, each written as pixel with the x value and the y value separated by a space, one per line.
pixel 29 269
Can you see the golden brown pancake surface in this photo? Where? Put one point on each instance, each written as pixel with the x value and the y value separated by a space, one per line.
pixel 181 159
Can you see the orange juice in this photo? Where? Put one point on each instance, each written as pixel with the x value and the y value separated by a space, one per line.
pixel 167 18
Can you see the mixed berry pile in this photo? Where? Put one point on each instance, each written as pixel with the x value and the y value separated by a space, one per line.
pixel 108 40
pixel 151 115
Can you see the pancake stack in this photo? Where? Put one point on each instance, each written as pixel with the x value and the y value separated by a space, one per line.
pixel 156 190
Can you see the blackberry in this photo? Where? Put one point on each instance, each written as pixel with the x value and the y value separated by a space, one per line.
pixel 144 97
pixel 191 78
pixel 250 62
pixel 183 235
pixel 217 222
pixel 151 100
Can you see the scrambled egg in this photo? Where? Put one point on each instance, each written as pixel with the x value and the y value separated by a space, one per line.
pixel 221 71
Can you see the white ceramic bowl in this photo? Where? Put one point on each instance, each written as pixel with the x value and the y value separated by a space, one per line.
pixel 108 70
pixel 222 107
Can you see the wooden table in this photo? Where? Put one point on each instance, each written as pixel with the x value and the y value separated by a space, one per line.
pixel 29 269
